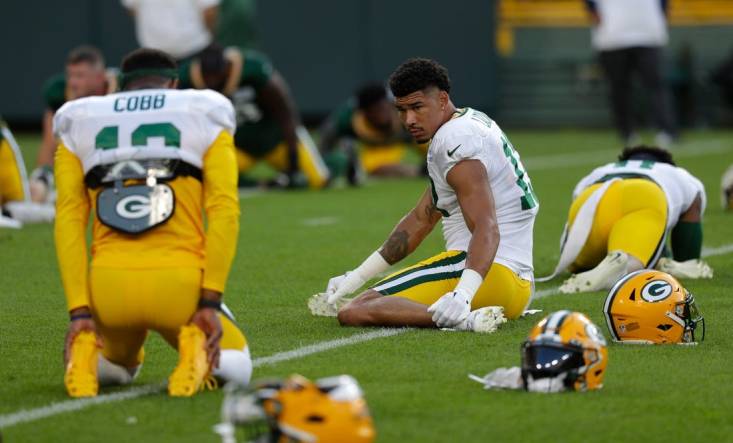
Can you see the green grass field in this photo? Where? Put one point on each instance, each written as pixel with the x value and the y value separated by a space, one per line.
pixel 416 382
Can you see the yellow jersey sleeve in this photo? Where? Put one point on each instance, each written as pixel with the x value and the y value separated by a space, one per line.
pixel 72 216
pixel 221 205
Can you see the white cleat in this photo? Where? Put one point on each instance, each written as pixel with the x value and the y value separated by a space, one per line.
pixel 31 212
pixel 319 306
pixel 602 277
pixel 483 320
pixel 7 222
pixel 686 269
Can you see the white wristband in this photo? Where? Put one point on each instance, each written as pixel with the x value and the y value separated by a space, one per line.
pixel 373 265
pixel 469 283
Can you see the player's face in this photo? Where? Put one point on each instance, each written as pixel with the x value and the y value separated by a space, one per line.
pixel 422 112
pixel 380 115
pixel 85 79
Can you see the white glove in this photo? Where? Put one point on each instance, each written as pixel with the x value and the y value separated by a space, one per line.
pixel 451 309
pixel 343 285
pixel 353 280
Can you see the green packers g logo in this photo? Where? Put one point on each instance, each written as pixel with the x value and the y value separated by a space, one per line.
pixel 656 290
pixel 133 206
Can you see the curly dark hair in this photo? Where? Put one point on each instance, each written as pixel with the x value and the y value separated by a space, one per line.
pixel 416 74
pixel 643 152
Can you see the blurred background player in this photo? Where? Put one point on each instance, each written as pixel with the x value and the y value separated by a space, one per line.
pixel 182 28
pixel 151 268
pixel 16 206
pixel 482 193
pixel 629 36
pixel 367 131
pixel 268 124
pixel 85 75
pixel 621 216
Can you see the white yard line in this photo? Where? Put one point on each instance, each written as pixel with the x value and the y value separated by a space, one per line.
pixel 319 221
pixel 29 415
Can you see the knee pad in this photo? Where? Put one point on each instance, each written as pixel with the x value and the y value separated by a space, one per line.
pixel 235 366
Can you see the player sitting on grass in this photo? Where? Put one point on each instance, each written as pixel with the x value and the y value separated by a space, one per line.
pixel 621 216
pixel 268 125
pixel 484 196
pixel 370 136
pixel 132 158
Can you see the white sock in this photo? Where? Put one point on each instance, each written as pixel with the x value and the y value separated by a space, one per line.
pixel 109 373
pixel 235 366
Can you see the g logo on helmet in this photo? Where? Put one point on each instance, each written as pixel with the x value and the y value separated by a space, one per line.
pixel 656 290
pixel 133 207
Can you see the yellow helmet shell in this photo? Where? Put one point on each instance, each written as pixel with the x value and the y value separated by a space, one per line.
pixel 567 345
pixel 651 307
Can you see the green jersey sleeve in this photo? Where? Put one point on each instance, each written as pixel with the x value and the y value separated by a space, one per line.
pixel 54 92
pixel 256 70
pixel 344 116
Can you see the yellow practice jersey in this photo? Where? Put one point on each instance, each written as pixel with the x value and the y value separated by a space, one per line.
pixel 147 165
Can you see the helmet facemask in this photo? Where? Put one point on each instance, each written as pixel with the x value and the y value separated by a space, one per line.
pixel 689 317
pixel 551 367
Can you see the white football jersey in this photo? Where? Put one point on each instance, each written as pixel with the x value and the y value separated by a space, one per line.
pixel 679 186
pixel 145 123
pixel 473 135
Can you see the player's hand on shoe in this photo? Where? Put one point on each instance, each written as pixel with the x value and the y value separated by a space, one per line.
pixel 207 319
pixel 450 309
pixel 81 320
pixel 343 285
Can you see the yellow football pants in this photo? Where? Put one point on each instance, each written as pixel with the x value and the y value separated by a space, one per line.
pixel 127 303
pixel 309 162
pixel 430 279
pixel 374 157
pixel 11 183
pixel 631 217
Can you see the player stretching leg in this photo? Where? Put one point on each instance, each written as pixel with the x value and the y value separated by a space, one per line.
pixel 484 196
pixel 148 162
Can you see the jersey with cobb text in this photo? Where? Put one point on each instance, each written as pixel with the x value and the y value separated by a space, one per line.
pixel 149 123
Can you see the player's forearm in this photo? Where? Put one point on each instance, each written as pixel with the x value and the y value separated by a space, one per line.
pixel 276 98
pixel 211 18
pixel 223 227
pixel 482 247
pixel 72 215
pixel 221 204
pixel 48 142
pixel 405 238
